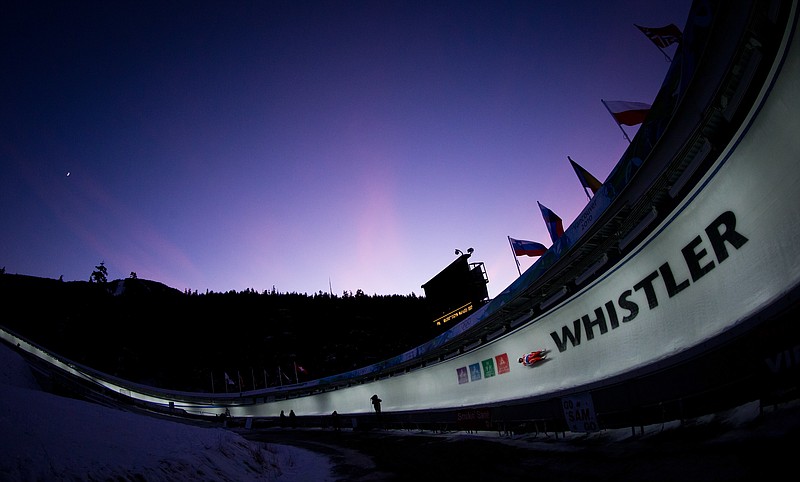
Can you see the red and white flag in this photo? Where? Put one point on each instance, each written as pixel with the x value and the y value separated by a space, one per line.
pixel 627 113
pixel 298 368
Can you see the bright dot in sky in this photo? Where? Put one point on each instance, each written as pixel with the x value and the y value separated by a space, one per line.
pixel 68 173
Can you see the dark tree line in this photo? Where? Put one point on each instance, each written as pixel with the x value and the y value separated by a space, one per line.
pixel 154 334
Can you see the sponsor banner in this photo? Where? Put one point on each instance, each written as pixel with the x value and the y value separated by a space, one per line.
pixel 474 419
pixel 719 242
pixel 579 413
pixel 475 371
pixel 487 368
pixel 502 364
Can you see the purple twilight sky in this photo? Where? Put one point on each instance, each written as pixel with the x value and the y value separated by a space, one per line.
pixel 307 145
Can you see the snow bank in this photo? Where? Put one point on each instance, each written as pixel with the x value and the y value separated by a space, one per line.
pixel 47 437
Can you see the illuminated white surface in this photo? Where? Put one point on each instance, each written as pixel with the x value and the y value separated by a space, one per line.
pixel 755 178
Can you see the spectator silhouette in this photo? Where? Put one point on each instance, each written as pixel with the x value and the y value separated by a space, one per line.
pixel 292 419
pixel 335 420
pixel 283 419
pixel 376 403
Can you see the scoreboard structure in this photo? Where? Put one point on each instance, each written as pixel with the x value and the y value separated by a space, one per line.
pixel 458 290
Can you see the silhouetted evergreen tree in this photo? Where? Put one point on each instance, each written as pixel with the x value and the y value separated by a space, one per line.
pixel 158 335
pixel 100 274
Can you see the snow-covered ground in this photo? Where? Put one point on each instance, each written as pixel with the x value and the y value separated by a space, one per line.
pixel 47 437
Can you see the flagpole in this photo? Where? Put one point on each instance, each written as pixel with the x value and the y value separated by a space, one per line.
pixel 669 59
pixel 212 382
pixel 296 380
pixel 265 378
pixel 584 187
pixel 615 120
pixel 514 254
pixel 279 375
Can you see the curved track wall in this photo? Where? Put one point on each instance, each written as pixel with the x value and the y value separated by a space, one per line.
pixel 698 282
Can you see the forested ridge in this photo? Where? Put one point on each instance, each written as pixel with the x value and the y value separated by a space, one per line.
pixel 147 332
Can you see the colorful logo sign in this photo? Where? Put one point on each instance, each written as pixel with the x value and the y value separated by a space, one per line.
pixel 487 368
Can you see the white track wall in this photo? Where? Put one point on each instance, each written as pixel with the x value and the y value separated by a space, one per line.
pixel 729 250
pixel 755 183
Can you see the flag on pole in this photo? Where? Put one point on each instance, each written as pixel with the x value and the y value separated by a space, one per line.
pixel 228 379
pixel 514 254
pixel 284 375
pixel 526 248
pixel 554 225
pixel 627 113
pixel 662 36
pixel 298 368
pixel 587 180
